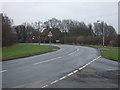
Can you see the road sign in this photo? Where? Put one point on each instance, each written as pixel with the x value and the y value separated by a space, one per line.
pixel 50 34
pixel 57 41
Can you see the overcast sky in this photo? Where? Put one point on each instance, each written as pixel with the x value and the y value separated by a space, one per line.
pixel 88 12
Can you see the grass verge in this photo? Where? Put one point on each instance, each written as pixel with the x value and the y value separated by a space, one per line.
pixel 23 50
pixel 108 51
pixel 0 53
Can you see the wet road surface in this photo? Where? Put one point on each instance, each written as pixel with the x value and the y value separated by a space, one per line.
pixel 70 66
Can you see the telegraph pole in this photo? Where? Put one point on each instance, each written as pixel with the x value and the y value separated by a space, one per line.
pixel 103 33
pixel 103 38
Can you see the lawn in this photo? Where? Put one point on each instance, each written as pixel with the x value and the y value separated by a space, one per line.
pixel 21 50
pixel 0 53
pixel 108 51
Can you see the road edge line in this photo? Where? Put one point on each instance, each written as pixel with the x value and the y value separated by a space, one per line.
pixel 73 72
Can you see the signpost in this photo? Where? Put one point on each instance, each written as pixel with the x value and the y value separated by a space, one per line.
pixel 50 35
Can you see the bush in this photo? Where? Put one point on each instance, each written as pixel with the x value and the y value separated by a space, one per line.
pixel 115 41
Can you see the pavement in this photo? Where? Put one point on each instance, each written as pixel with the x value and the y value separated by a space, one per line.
pixel 69 67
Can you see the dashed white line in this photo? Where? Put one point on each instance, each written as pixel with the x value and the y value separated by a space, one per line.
pixel 70 53
pixel 54 82
pixel 71 73
pixel 44 86
pixel 53 58
pixel 77 49
pixel 3 71
pixel 62 78
pixel 88 63
pixel 46 60
pixel 73 52
pixel 75 71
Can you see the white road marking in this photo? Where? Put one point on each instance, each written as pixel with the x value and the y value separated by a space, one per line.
pixel 62 78
pixel 44 86
pixel 73 52
pixel 70 53
pixel 77 49
pixel 54 82
pixel 3 71
pixel 75 71
pixel 110 69
pixel 46 60
pixel 71 73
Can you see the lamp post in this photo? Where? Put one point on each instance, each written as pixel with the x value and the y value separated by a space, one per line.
pixel 103 38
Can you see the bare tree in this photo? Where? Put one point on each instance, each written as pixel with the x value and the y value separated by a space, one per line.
pixel 8 34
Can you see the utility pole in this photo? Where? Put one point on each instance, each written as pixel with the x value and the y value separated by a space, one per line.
pixel 103 33
pixel 103 38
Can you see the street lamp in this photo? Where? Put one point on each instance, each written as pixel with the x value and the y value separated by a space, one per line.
pixel 103 38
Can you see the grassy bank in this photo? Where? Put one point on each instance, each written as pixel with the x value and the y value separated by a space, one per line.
pixel 0 53
pixel 22 50
pixel 108 51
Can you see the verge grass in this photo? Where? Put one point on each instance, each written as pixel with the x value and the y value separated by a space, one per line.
pixel 22 50
pixel 108 51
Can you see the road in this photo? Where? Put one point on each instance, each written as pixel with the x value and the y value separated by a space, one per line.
pixel 55 69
